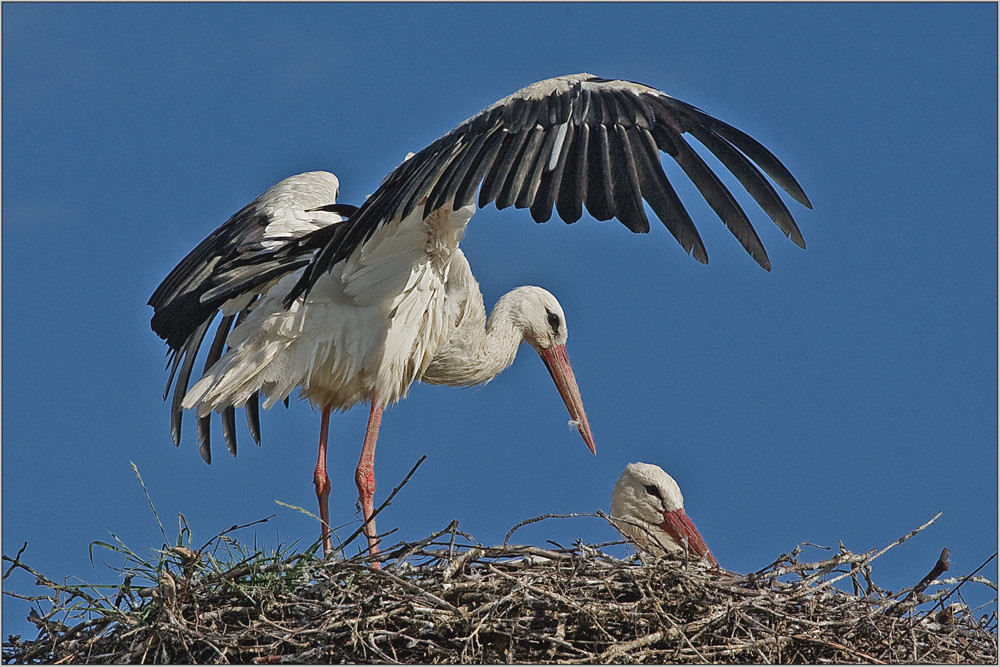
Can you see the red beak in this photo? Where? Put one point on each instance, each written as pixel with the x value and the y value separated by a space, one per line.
pixel 557 361
pixel 679 526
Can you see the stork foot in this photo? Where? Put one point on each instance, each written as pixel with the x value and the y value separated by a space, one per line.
pixel 364 476
pixel 322 483
pixel 365 479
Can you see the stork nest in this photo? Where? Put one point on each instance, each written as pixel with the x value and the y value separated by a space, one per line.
pixel 446 599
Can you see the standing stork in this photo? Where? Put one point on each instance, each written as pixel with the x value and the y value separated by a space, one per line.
pixel 648 508
pixel 354 304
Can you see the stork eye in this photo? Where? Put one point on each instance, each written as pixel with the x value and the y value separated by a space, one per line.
pixel 553 321
pixel 653 491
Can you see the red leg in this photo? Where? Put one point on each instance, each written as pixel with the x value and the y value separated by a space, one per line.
pixel 364 476
pixel 322 482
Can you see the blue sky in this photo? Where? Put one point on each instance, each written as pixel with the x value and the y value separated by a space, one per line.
pixel 848 395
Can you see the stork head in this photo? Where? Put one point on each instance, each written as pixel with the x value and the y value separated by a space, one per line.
pixel 649 510
pixel 541 319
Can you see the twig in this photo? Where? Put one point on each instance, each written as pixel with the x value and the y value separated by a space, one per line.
pixel 16 561
pixel 385 504
pixel 542 518
pixel 407 550
pixel 907 536
pixel 412 587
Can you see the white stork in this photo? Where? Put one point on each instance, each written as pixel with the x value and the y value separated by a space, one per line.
pixel 648 509
pixel 353 304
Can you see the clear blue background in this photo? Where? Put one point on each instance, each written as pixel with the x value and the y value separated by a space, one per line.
pixel 848 395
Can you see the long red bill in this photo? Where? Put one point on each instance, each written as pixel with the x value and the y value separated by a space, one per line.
pixel 557 361
pixel 679 526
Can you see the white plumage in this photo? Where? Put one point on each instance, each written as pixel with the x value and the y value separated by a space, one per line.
pixel 648 509
pixel 290 207
pixel 354 304
pixel 367 329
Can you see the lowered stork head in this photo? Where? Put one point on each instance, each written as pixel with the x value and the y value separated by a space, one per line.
pixel 648 509
pixel 539 318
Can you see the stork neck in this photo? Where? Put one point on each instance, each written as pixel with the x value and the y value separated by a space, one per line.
pixel 474 354
pixel 491 351
pixel 500 344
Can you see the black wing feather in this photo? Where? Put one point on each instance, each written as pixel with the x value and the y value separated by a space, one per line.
pixel 751 179
pixel 628 195
pixel 600 201
pixel 252 408
pixel 520 169
pixel 187 353
pixel 721 200
pixel 214 352
pixel 573 192
pixel 446 191
pixel 439 193
pixel 551 182
pixel 496 175
pixel 662 198
pixel 529 189
pixel 229 429
pixel 756 151
pixel 483 161
pixel 205 438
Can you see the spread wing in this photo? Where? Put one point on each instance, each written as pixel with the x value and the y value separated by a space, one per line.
pixel 277 233
pixel 578 142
